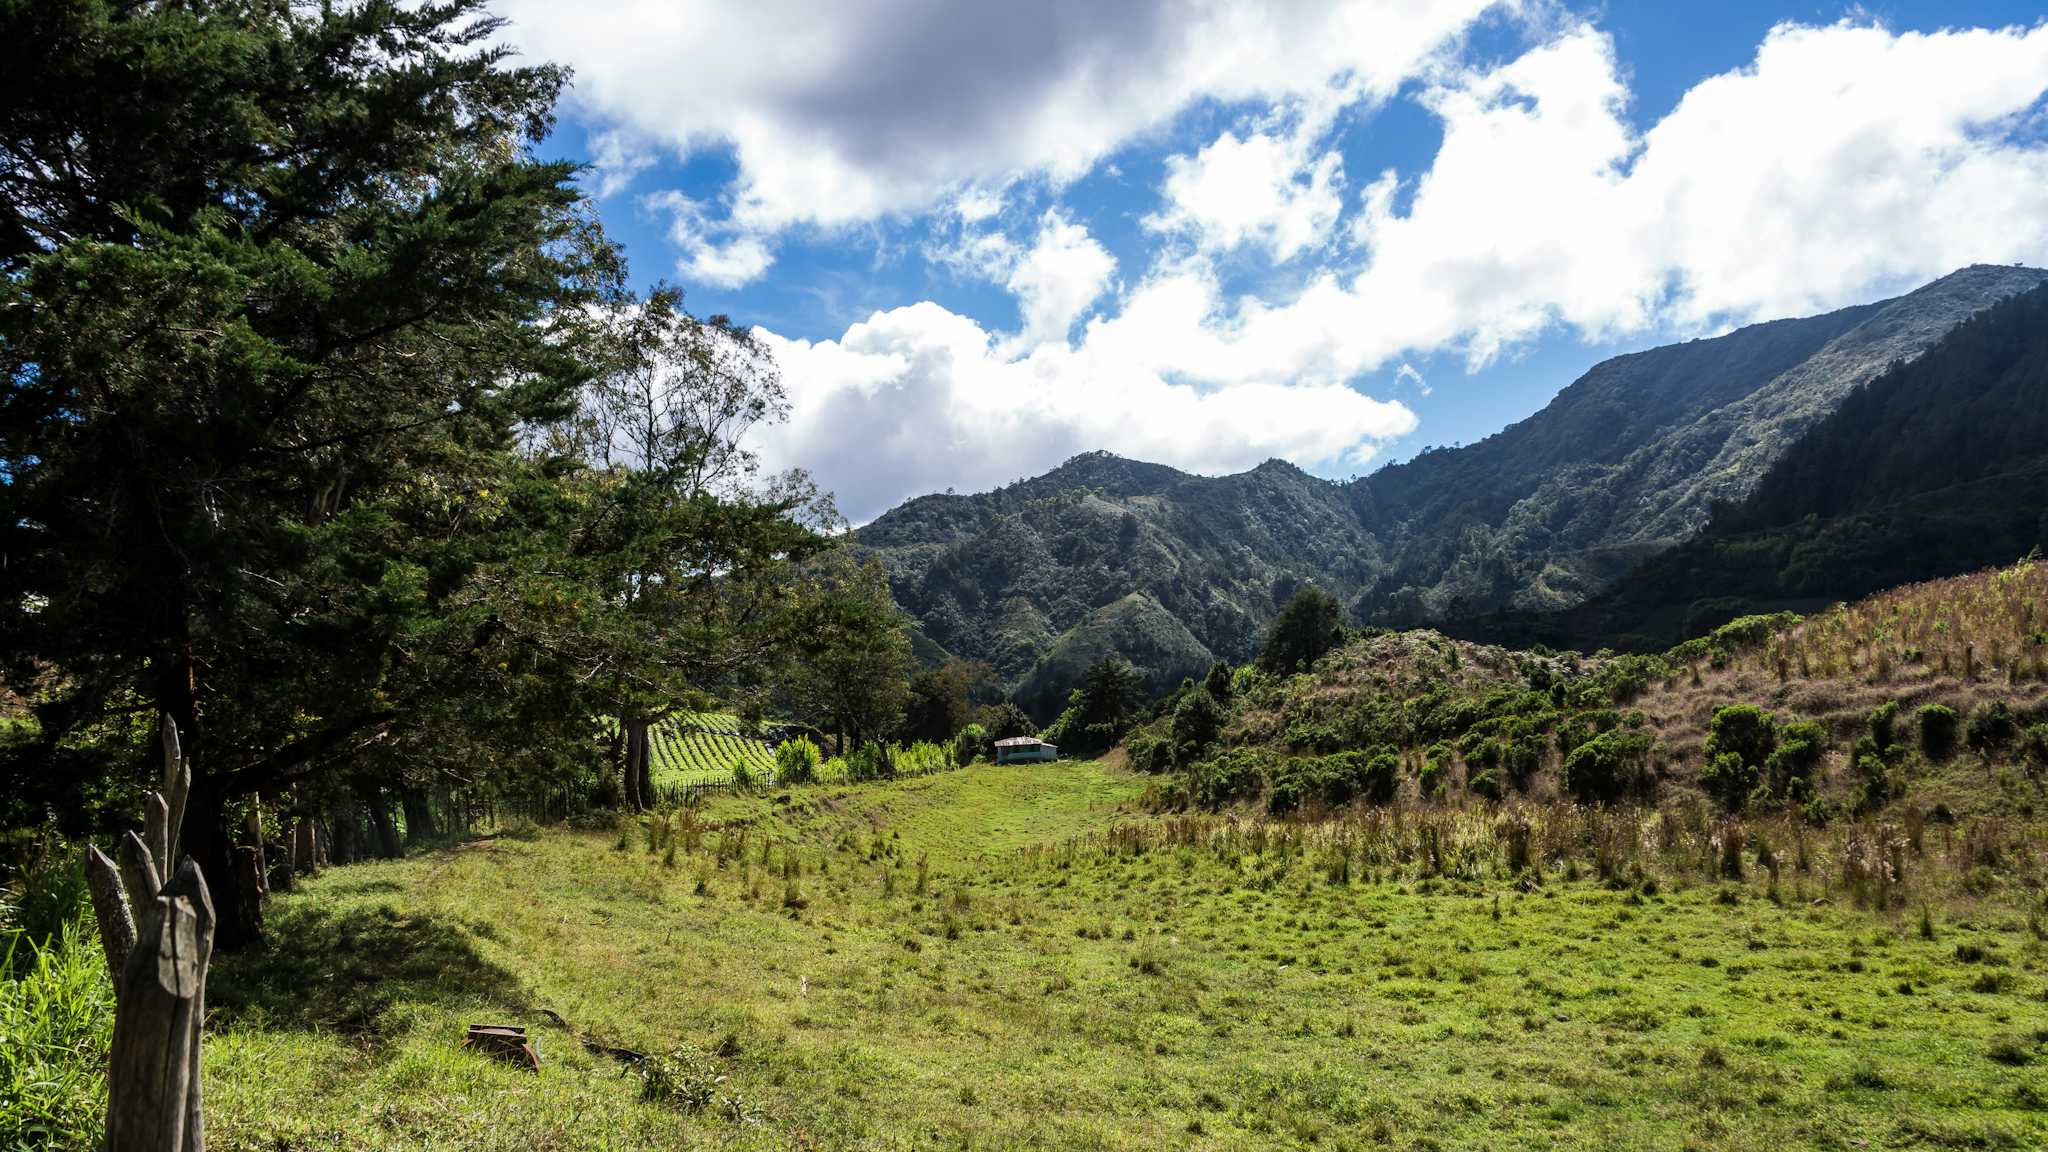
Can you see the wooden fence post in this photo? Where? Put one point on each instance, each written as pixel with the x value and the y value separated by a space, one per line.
pixel 158 936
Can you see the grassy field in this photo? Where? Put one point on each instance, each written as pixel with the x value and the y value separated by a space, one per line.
pixel 1016 958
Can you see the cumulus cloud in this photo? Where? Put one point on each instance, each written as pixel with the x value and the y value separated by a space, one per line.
pixel 1056 282
pixel 1266 188
pixel 1844 162
pixel 848 112
pixel 920 398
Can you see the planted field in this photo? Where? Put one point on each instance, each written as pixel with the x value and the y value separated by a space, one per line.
pixel 705 748
pixel 1015 957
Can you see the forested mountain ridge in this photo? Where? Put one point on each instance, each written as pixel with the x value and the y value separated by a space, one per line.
pixel 1623 464
pixel 1937 466
pixel 1102 553
pixel 1630 458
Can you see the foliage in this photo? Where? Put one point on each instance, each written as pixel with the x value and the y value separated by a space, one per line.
pixel 1740 742
pixel 1992 727
pixel 1938 727
pixel 1608 765
pixel 1232 775
pixel 971 745
pixel 1196 722
pixel 56 1020
pixel 796 761
pixel 1309 625
pixel 940 699
pixel 1100 710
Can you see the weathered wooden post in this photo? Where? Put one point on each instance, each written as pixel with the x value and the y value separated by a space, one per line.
pixel 158 937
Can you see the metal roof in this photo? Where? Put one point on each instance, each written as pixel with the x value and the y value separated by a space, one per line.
pixel 1019 741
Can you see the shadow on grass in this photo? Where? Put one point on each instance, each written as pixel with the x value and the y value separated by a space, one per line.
pixel 341 970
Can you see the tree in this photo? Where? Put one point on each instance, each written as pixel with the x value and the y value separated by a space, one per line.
pixel 851 652
pixel 281 285
pixel 1309 625
pixel 942 698
pixel 686 551
pixel 1101 709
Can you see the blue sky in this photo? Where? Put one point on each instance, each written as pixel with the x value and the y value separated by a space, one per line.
pixel 984 236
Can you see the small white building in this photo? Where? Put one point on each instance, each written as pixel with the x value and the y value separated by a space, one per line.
pixel 1022 749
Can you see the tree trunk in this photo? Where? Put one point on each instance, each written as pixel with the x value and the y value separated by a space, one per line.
pixel 250 889
pixel 252 839
pixel 419 816
pixel 388 845
pixel 639 793
pixel 205 837
pixel 346 846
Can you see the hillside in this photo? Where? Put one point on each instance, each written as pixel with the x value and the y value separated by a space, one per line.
pixel 1937 466
pixel 1622 465
pixel 1179 569
pixel 1450 712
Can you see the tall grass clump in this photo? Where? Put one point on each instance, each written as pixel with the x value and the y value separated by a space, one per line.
pixel 56 1020
pixel 796 761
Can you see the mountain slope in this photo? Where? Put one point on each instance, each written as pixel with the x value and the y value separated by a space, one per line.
pixel 1631 458
pixel 1626 462
pixel 1003 576
pixel 1937 466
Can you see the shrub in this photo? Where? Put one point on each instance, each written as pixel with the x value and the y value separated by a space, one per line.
pixel 2034 746
pixel 1485 782
pixel 1233 775
pixel 1789 768
pixel 1728 779
pixel 970 744
pixel 1608 765
pixel 1881 721
pixel 871 762
pixel 1196 721
pixel 1991 727
pixel 1334 780
pixel 1745 730
pixel 796 761
pixel 1151 750
pixel 1937 731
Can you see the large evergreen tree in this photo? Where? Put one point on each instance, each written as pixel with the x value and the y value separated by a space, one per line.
pixel 282 282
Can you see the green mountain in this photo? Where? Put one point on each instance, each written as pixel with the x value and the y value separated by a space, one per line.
pixel 1171 570
pixel 1631 458
pixel 1938 466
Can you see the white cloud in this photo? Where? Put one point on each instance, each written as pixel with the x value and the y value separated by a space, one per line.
pixel 728 262
pixel 1266 188
pixel 1065 272
pixel 919 398
pixel 849 112
pixel 1846 161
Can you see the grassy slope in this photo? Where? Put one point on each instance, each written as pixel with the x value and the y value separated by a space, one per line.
pixel 1103 993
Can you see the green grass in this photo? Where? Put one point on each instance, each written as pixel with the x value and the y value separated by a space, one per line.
pixel 56 1019
pixel 1057 982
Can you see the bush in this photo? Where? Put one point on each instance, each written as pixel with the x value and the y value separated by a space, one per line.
pixel 796 761
pixel 1334 780
pixel 871 762
pixel 1881 721
pixel 1937 731
pixel 970 745
pixel 1608 766
pixel 2034 747
pixel 1233 775
pixel 1727 779
pixel 1196 721
pixel 1745 730
pixel 1151 750
pixel 1991 727
pixel 1789 769
pixel 56 1019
